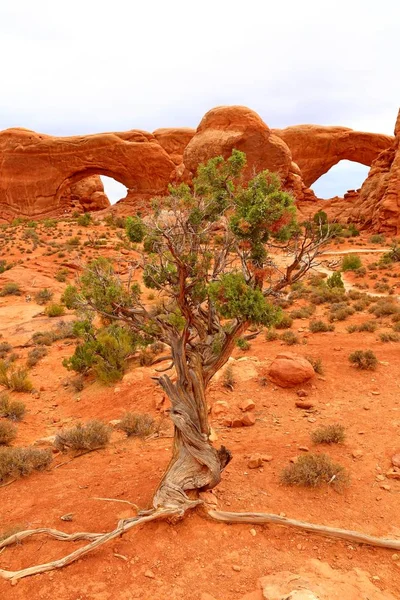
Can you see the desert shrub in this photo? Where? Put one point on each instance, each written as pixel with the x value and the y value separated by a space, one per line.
pixel 35 355
pixel 312 470
pixel 271 335
pixel 105 351
pixel 317 326
pixel 43 296
pixel 11 409
pixel 335 281
pixel 84 220
pixel 55 310
pixel 351 262
pixel 228 379
pixel 91 436
pixel 316 364
pixel 61 275
pixel 137 424
pixel 146 357
pixel 73 242
pixel 396 326
pixel 10 289
pixel 4 266
pixel 5 348
pixel 364 359
pixel 389 336
pixel 14 378
pixel 285 322
pixel 290 338
pixel 352 328
pixel 384 308
pixel 390 257
pixel 303 313
pixel 324 295
pixel 8 433
pixel 377 238
pixel 135 229
pixel 77 383
pixel 243 344
pixel 17 462
pixel 329 434
pixel 367 326
pixel 340 311
pixel 50 223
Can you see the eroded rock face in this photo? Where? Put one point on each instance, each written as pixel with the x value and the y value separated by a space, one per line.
pixel 227 127
pixel 37 169
pixel 289 369
pixel 86 195
pixel 378 205
pixel 316 148
pixel 174 141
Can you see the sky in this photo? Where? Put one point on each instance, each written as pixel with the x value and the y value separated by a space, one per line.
pixel 86 66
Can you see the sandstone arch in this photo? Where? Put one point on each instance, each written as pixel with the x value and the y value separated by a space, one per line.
pixel 36 169
pixel 317 148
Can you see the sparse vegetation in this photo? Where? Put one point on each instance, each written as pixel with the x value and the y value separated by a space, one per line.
pixel 55 310
pixel 5 348
pixel 14 378
pixel 11 409
pixel 35 355
pixel 313 470
pixel 316 364
pixel 285 322
pixel 364 359
pixel 290 338
pixel 137 425
pixel 19 462
pixel 351 262
pixel 318 326
pixel 43 296
pixel 389 336
pixel 243 344
pixel 8 433
pixel 10 289
pixel 84 220
pixel 335 281
pixel 228 379
pixel 329 434
pixel 81 438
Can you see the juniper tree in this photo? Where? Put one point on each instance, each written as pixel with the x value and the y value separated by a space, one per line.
pixel 206 252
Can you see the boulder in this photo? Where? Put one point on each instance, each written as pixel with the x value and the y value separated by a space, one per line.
pixel 289 369
pixel 86 195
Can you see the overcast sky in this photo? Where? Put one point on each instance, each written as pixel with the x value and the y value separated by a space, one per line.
pixel 86 66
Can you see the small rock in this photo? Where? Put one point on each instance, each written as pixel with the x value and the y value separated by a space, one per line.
pixel 45 442
pixel 248 419
pixel 267 457
pixel 236 568
pixel 220 408
pixel 395 556
pixel 385 486
pixel 253 532
pixel 236 422
pixel 304 404
pixel 116 390
pixel 294 459
pixel 67 517
pixel 304 448
pixel 396 460
pixel 114 423
pixel 246 405
pixel 357 453
pixel 149 574
pixel 255 461
pixel 393 473
pixel 212 436
pixel 302 393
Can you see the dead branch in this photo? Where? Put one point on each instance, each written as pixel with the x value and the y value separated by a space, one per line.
pixel 96 540
pixel 344 534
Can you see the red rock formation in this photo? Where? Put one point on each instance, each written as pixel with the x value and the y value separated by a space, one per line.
pixel 227 127
pixel 36 169
pixel 174 141
pixel 316 148
pixel 86 195
pixel 378 205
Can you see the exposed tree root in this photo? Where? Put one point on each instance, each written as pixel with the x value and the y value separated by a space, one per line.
pixel 344 534
pixel 96 540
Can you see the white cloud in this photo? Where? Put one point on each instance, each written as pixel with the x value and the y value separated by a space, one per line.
pixel 87 66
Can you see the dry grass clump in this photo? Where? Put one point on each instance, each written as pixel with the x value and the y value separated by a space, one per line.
pixel 318 326
pixel 316 364
pixel 364 359
pixel 313 470
pixel 137 424
pixel 285 322
pixel 389 336
pixel 35 355
pixel 14 378
pixel 11 409
pixel 17 462
pixel 290 338
pixel 228 379
pixel 8 433
pixel 329 434
pixel 91 436
pixel 5 348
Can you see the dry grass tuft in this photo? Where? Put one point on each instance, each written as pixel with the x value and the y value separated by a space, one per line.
pixel 329 434
pixel 137 424
pixel 19 462
pixel 8 433
pixel 11 409
pixel 313 470
pixel 91 436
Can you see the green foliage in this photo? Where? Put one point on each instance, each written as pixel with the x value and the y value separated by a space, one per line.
pixel 243 344
pixel 313 470
pixel 364 359
pixel 44 296
pixel 234 298
pixel 84 438
pixel 84 220
pixel 351 262
pixel 335 281
pixel 105 351
pixel 20 462
pixel 54 310
pixel 329 434
pixel 135 229
pixel 10 289
pixel 285 322
pixel 320 218
pixel 377 238
pixel 11 409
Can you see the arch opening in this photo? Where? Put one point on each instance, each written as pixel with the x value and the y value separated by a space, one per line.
pixel 113 189
pixel 344 176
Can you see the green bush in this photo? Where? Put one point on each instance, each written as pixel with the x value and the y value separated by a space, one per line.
pixel 365 360
pixel 138 425
pixel 285 322
pixel 335 281
pixel 91 436
pixel 377 238
pixel 318 326
pixel 61 275
pixel 329 434
pixel 55 310
pixel 312 470
pixel 135 229
pixel 10 289
pixel 84 220
pixel 243 344
pixel 351 262
pixel 17 462
pixel 271 335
